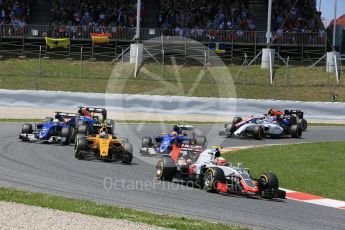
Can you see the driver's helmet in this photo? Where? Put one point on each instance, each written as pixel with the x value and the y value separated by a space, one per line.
pixel 102 134
pixel 269 111
pixel 56 122
pixel 220 161
pixel 173 134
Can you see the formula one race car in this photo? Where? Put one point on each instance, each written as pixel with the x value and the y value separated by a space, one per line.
pixel 60 129
pixel 102 145
pixel 162 144
pixel 63 127
pixel 215 174
pixel 259 128
pixel 93 127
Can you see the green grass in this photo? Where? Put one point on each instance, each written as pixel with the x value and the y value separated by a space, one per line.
pixel 14 120
pixel 107 211
pixel 317 168
pixel 301 83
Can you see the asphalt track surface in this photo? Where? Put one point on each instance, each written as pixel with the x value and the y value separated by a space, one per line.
pixel 53 169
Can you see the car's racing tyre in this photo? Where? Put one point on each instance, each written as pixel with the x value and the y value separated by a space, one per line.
pixel 27 128
pixel 166 169
pixel 125 140
pixel 296 131
pixel 268 182
pixel 146 142
pixel 236 120
pixel 79 146
pixel 201 141
pixel 73 134
pixel 81 122
pixel 213 176
pixel 83 129
pixel 258 133
pixel 66 133
pixel 127 153
pixel 230 130
pixel 110 123
pixel 304 124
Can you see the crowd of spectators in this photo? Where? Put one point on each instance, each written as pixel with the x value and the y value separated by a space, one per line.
pixel 14 13
pixel 296 16
pixel 202 15
pixel 79 16
pixel 192 18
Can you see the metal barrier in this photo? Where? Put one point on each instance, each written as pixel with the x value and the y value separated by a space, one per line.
pixel 127 34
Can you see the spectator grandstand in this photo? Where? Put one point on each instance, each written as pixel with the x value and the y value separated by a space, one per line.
pixel 79 16
pixel 205 15
pixel 14 12
pixel 101 13
pixel 239 26
pixel 296 16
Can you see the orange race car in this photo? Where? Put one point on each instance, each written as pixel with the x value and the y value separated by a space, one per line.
pixel 102 145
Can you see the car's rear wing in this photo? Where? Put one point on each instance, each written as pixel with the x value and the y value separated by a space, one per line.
pixel 186 127
pixel 65 114
pixel 194 148
pixel 298 113
pixel 95 110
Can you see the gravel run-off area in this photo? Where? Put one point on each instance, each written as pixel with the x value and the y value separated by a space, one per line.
pixel 19 216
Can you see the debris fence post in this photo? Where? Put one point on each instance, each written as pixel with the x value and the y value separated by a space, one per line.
pixel 205 65
pixel 81 63
pixel 163 63
pixel 287 71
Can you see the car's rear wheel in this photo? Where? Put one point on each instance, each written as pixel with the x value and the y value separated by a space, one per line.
pixel 201 141
pixel 146 142
pixel 110 123
pixel 166 169
pixel 258 133
pixel 296 131
pixel 213 176
pixel 81 122
pixel 128 153
pixel 66 135
pixel 73 134
pixel 304 124
pixel 27 128
pixel 84 129
pixel 236 120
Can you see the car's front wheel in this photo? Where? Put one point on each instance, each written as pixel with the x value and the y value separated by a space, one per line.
pixel 80 146
pixel 258 133
pixel 128 153
pixel 66 134
pixel 268 183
